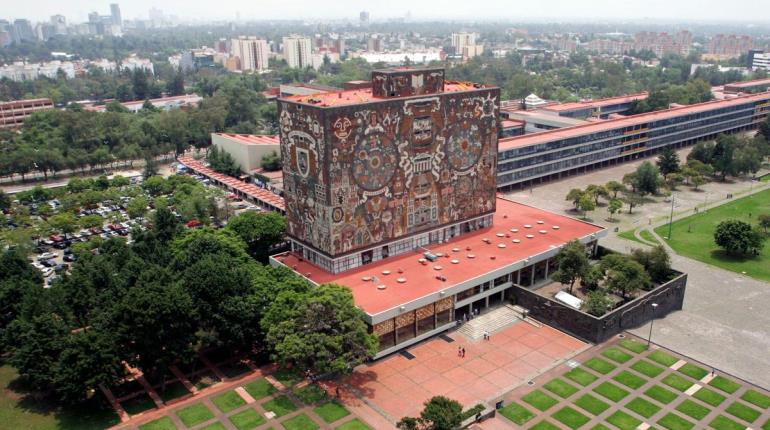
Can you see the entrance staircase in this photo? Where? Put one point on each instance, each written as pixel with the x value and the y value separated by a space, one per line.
pixel 492 321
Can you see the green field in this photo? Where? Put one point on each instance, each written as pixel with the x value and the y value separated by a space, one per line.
pixel 19 412
pixel 699 244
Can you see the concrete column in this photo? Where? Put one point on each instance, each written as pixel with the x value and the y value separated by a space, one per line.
pixel 547 265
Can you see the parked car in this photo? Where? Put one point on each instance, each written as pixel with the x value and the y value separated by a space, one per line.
pixel 48 263
pixel 69 258
pixel 47 256
pixel 47 272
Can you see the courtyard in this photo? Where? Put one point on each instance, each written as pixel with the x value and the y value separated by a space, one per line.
pixel 623 385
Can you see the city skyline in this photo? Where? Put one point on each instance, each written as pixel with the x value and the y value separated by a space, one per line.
pixel 554 10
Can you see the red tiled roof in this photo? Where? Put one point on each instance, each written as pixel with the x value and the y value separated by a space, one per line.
pixel 747 84
pixel 364 95
pixel 421 279
pixel 252 139
pixel 248 189
pixel 564 133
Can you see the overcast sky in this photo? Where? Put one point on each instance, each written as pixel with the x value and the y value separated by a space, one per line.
pixel 561 10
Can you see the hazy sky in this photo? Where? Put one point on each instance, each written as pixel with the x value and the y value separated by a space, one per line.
pixel 678 10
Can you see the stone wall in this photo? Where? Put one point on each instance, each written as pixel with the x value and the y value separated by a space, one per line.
pixel 669 297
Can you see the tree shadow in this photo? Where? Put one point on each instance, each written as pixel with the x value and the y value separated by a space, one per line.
pixel 725 257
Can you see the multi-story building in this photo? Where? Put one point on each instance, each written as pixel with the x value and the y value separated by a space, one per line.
pixel 196 59
pixel 22 31
pixel 252 52
pixel 390 191
pixel 552 154
pixel 363 18
pixel 296 51
pixel 723 46
pixel 59 23
pixel 759 60
pixel 115 16
pixel 135 63
pixel 750 87
pixel 375 43
pixel 465 44
pixel 13 114
pixel 664 43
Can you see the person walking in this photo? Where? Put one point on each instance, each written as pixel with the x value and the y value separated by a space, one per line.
pixel 463 353
pixel 459 351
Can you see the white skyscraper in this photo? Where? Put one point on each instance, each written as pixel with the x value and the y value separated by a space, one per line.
pixel 296 51
pixel 251 51
pixel 465 45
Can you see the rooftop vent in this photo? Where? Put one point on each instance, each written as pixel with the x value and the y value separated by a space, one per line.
pixel 540 222
pixel 401 280
pixel 501 245
pixel 515 241
pixel 386 272
pixel 455 261
pixel 530 236
pixel 556 227
pixel 430 256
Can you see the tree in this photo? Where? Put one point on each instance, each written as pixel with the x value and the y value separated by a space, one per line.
pixel 668 162
pixel 656 263
pixel 5 201
pixel 271 162
pixel 574 196
pixel 38 343
pixel 137 207
pixel 322 331
pixel 630 180
pixel 697 181
pixel 722 157
pixel 586 204
pixel 597 303
pixel 624 275
pixel 438 413
pixel 65 223
pixel 572 263
pixel 260 231
pixel 633 200
pixel 646 179
pixel 614 207
pixel 155 185
pixel 674 180
pixel 738 238
pixel 150 167
pixel 764 222
pixel 615 187
pixel 139 84
pixel 597 191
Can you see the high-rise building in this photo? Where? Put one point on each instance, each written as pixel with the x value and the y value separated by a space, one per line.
pixel 252 52
pixel 22 31
pixel 59 23
pixel 363 18
pixel 729 45
pixel 375 43
pixel 115 14
pixel 465 45
pixel 296 51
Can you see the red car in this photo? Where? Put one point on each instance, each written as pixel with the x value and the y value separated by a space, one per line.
pixel 194 223
pixel 55 238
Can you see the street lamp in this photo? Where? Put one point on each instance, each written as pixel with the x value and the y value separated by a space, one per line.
pixel 652 320
pixel 671 217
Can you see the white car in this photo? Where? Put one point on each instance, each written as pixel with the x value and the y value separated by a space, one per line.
pixel 38 266
pixel 47 272
pixel 47 256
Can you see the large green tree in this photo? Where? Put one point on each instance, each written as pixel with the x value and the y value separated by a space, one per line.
pixel 260 231
pixel 668 162
pixel 572 263
pixel 738 238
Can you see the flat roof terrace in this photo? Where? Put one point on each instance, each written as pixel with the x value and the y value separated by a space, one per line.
pixel 358 96
pixel 518 233
pixel 610 124
pixel 610 101
pixel 252 139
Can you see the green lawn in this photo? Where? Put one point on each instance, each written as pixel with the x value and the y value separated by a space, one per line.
pixel 692 409
pixel 743 412
pixel 633 345
pixel 709 396
pixel 331 411
pixel 591 404
pixel 580 376
pixel 247 420
pixel 767 425
pixel 164 423
pixel 756 398
pixel 647 235
pixel 137 405
pixel 693 371
pixel 354 424
pixel 699 244
pixel 723 423
pixel 544 425
pixel 310 394
pixel 281 405
pixel 676 381
pixel 570 417
pixel 560 388
pixel 539 400
pixel 663 358
pixel 611 391
pixel 646 368
pixel 287 377
pixel 215 426
pixel 194 414
pixel 300 422
pixel 17 411
pixel 660 394
pixel 629 235
pixel 517 413
pixel 615 354
pixel 228 401
pixel 642 407
pixel 675 422
pixel 629 379
pixel 259 388
pixel 172 391
pixel 623 421
pixel 599 365
pixel 724 384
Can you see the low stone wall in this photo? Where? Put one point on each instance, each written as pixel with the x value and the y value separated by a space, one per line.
pixel 669 297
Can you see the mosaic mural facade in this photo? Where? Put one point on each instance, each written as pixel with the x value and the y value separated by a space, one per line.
pixel 359 175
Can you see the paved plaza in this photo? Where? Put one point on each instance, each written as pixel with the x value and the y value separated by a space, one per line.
pixel 623 385
pixel 398 386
